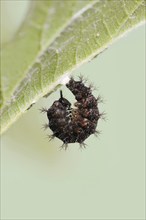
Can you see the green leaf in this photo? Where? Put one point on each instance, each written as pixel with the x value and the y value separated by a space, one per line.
pixel 57 37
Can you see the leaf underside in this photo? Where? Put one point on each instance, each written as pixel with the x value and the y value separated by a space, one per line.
pixel 57 37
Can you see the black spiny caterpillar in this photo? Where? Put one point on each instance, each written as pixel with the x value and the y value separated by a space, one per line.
pixel 73 125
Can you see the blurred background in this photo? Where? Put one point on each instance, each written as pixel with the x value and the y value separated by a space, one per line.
pixel 104 181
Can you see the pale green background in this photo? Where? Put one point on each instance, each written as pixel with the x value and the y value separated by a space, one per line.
pixel 104 181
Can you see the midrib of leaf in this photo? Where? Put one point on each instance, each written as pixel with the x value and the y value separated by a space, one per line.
pixel 67 52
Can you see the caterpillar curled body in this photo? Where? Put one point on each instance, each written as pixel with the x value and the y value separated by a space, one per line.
pixel 73 125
